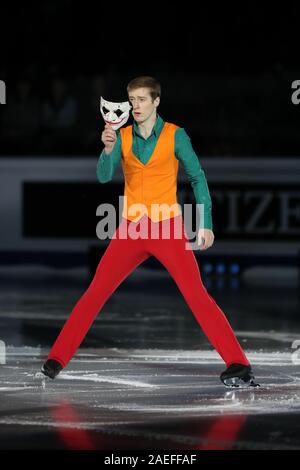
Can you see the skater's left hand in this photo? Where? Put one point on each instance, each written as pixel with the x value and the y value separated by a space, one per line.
pixel 205 238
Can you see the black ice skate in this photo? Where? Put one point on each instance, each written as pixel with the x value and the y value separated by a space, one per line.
pixel 238 376
pixel 51 368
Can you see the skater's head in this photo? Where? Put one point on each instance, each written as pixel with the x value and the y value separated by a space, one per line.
pixel 144 96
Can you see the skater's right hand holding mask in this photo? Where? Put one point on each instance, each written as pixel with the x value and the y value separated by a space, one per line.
pixel 109 138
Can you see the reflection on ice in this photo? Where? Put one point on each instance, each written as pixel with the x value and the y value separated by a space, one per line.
pixel 112 395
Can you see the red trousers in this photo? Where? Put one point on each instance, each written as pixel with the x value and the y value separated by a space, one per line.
pixel 132 244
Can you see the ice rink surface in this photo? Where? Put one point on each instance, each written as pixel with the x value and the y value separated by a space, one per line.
pixel 146 377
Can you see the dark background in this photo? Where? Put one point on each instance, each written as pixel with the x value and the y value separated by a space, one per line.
pixel 226 73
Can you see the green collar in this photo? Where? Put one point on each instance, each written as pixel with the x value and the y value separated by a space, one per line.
pixel 159 124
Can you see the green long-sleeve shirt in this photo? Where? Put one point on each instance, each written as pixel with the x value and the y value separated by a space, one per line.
pixel 143 149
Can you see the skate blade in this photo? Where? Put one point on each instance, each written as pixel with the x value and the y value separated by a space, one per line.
pixel 39 376
pixel 236 382
pixel 41 379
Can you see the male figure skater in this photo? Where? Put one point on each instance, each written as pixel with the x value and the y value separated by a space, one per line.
pixel 150 152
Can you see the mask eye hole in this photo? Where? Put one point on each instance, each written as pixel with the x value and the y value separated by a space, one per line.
pixel 119 113
pixel 105 110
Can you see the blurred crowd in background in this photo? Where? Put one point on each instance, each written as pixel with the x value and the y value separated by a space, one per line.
pixel 226 78
pixel 62 119
pixel 230 116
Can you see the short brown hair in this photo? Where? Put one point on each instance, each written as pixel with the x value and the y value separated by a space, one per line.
pixel 146 82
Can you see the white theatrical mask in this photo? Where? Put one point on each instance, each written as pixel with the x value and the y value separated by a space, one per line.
pixel 115 114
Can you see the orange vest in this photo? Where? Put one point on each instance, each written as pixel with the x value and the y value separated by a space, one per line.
pixel 151 188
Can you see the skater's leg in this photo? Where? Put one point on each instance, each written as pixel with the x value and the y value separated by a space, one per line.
pixel 182 266
pixel 121 257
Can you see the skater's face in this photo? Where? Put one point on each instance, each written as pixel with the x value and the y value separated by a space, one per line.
pixel 143 107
